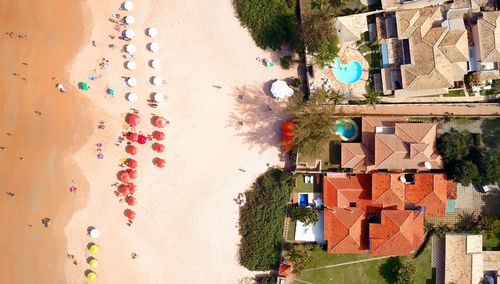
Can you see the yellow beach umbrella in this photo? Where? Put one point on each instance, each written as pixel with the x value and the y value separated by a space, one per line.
pixel 91 276
pixel 94 248
pixel 93 263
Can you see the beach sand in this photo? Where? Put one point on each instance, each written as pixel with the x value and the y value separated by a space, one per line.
pixel 186 226
pixel 41 46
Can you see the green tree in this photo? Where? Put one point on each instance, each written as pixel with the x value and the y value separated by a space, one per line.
pixel 321 5
pixel 488 164
pixel 465 172
pixel 371 98
pixel 300 256
pixel 306 215
pixel 406 273
pixel 491 132
pixel 454 145
pixel 286 62
pixel 312 132
pixel 272 23
pixel 261 220
pixel 467 222
pixel 327 51
pixel 320 37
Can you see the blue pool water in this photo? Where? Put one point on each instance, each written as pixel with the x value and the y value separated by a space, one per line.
pixel 346 129
pixel 385 55
pixel 347 73
pixel 303 200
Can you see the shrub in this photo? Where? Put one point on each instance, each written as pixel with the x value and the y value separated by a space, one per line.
pixel 261 220
pixel 300 255
pixel 272 23
pixel 491 132
pixel 286 62
pixel 320 37
pixel 306 215
pixel 296 82
pixel 406 273
pixel 454 145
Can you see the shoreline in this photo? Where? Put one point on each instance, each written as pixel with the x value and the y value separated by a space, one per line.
pixel 41 122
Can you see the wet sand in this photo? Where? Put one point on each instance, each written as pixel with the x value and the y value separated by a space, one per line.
pixel 46 126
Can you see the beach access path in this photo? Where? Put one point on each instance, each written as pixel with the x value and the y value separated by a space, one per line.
pixel 186 226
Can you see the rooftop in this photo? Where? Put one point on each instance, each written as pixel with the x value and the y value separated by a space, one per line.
pixel 489 36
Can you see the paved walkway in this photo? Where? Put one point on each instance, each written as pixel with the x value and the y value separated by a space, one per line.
pixel 464 99
pixel 483 109
pixel 346 263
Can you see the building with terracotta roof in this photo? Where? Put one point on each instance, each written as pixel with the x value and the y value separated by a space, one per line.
pixel 423 52
pixel 388 144
pixel 400 232
pixel 380 213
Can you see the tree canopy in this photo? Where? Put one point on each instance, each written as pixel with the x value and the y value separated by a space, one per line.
pixel 320 37
pixel 306 215
pixel 261 220
pixel 454 145
pixel 272 23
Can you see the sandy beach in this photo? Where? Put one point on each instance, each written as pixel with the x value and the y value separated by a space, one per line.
pixel 186 225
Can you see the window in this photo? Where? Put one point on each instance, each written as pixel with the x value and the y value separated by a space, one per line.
pixel 352 204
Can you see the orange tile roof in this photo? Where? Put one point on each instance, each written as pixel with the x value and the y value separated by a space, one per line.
pixel 345 230
pixel 429 191
pixel 340 189
pixel 388 191
pixel 284 270
pixel 400 232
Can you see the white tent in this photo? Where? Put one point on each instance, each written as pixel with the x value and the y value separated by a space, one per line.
pixel 131 81
pixel 131 65
pixel 128 5
pixel 131 97
pixel 280 89
pixel 155 63
pixel 129 34
pixel 95 233
pixel 159 97
pixel 154 47
pixel 152 32
pixel 130 48
pixel 157 80
pixel 129 19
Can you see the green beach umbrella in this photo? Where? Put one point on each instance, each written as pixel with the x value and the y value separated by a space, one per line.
pixel 93 263
pixel 91 276
pixel 94 249
pixel 84 86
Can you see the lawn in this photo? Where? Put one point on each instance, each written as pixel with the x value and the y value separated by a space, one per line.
pixel 455 93
pixel 301 186
pixel 290 235
pixel 376 271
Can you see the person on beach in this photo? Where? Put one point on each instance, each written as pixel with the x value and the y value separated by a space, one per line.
pixel 11 194
pixel 3 148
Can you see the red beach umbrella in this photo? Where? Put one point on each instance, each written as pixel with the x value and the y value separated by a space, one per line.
pixel 159 147
pixel 132 163
pixel 132 136
pixel 160 163
pixel 130 214
pixel 131 200
pixel 124 189
pixel 160 122
pixel 158 135
pixel 132 173
pixel 123 177
pixel 132 150
pixel 131 188
pixel 133 119
pixel 142 139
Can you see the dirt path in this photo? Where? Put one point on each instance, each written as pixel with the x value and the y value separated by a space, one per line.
pixel 345 263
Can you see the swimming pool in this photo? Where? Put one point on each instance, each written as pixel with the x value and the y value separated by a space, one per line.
pixel 346 129
pixel 349 73
pixel 303 199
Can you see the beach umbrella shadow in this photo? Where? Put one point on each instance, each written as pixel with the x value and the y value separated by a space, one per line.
pixel 89 229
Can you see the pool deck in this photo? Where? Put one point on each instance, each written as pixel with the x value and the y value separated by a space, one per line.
pixel 325 77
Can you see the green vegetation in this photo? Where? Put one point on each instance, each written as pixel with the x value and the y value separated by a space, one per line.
pixel 306 215
pixel 406 273
pixel 467 163
pixel 371 52
pixel 261 220
pixel 472 80
pixel 272 23
pixel 455 93
pixel 286 62
pixel 374 271
pixel 290 235
pixel 320 37
pixel 371 97
pixel 301 185
pixel 495 89
pixel 491 132
pixel 300 256
pixel 491 238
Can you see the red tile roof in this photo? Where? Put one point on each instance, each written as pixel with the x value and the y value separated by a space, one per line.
pixel 400 232
pixel 284 270
pixel 388 191
pixel 429 191
pixel 345 230
pixel 340 189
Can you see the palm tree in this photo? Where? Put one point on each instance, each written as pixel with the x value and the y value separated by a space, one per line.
pixel 371 98
pixel 467 222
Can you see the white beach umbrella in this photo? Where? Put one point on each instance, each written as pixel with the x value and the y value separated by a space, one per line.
pixel 128 5
pixel 129 19
pixel 157 80
pixel 155 63
pixel 130 48
pixel 159 97
pixel 95 233
pixel 131 65
pixel 131 81
pixel 152 32
pixel 154 47
pixel 280 89
pixel 131 97
pixel 129 34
